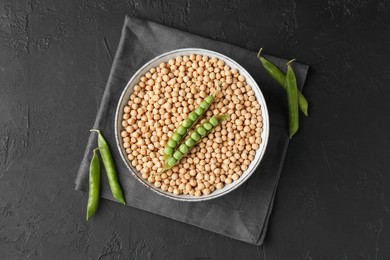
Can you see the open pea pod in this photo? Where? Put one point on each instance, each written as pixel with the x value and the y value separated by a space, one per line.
pixel 199 132
pixel 188 123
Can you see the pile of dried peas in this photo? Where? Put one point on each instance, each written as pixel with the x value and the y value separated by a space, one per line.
pixel 164 97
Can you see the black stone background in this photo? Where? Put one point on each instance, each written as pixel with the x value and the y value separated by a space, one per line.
pixel 333 200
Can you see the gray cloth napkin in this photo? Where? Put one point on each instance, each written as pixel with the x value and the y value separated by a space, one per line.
pixel 242 214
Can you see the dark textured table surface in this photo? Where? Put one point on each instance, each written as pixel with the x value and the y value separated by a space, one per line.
pixel 333 200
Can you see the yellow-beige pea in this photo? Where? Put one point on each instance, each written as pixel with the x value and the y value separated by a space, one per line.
pixel 193 182
pixel 206 191
pixel 219 185
pixel 182 186
pixel 228 180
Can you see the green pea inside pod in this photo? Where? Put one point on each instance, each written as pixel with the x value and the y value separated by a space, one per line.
pixel 172 143
pixel 176 137
pixel 209 99
pixel 201 131
pixel 187 123
pixel 207 126
pixel 171 161
pixel 181 130
pixel 190 142
pixel 178 155
pixel 195 136
pixel 193 116
pixel 168 150
pixel 199 111
pixel 204 105
pixel 183 148
pixel 213 121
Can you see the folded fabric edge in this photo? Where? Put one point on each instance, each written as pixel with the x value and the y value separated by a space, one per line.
pixel 263 232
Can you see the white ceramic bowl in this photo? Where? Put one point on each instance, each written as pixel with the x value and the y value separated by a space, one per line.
pixel 164 58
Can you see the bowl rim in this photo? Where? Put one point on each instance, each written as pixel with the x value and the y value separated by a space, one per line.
pixel 245 176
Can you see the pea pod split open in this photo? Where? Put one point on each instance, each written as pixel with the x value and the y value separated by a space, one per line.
pixel 188 123
pixel 199 132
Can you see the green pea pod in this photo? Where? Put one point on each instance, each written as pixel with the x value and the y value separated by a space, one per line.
pixel 280 78
pixel 94 185
pixel 188 123
pixel 292 100
pixel 109 166
pixel 200 132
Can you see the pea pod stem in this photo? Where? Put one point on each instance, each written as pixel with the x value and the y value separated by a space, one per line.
pixel 109 166
pixel 292 100
pixel 280 78
pixel 94 185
